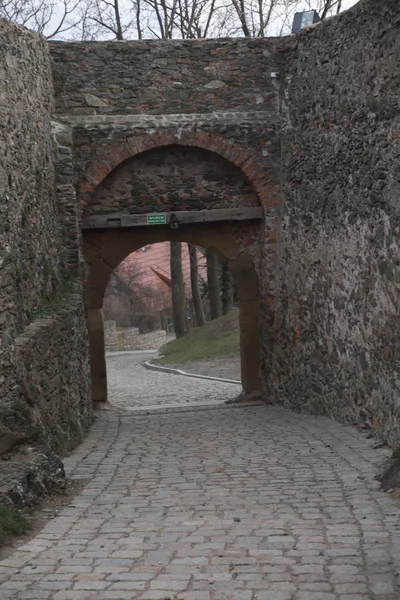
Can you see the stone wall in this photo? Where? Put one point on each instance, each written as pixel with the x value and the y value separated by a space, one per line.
pixel 44 395
pixel 169 179
pixel 225 91
pixel 152 340
pixel 317 115
pixel 210 108
pixel 312 120
pixel 129 338
pixel 110 336
pixel 338 349
pixel 52 378
pixel 30 240
pixel 155 77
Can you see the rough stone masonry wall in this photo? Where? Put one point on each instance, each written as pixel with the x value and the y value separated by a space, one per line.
pixel 339 343
pixel 172 178
pixel 134 95
pixel 129 338
pixel 163 77
pixel 126 100
pixel 30 241
pixel 52 367
pixel 43 368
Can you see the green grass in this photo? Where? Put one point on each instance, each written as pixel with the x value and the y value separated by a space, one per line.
pixel 216 338
pixel 51 305
pixel 12 522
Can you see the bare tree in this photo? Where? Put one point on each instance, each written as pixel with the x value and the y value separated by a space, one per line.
pixel 113 19
pixel 185 19
pixel 161 15
pixel 257 16
pixel 194 281
pixel 178 290
pixel 197 18
pixel 49 17
pixel 124 295
pixel 160 19
pixel 326 8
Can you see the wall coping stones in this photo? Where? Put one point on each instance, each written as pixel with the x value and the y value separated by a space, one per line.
pixel 145 121
pixel 217 45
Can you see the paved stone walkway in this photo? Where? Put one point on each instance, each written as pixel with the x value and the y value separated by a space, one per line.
pixel 250 503
pixel 227 367
pixel 131 385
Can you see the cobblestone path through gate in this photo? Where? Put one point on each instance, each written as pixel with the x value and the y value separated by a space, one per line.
pixel 131 385
pixel 216 504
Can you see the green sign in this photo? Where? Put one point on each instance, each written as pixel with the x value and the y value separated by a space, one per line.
pixel 156 219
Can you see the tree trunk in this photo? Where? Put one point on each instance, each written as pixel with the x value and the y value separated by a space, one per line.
pixel 214 291
pixel 178 292
pixel 226 288
pixel 194 281
pixel 118 21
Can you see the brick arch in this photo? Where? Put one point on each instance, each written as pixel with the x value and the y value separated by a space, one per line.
pixel 116 154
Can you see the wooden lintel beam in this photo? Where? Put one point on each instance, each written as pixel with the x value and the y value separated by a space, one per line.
pixel 184 217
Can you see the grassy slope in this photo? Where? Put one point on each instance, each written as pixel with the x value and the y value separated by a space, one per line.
pixel 216 338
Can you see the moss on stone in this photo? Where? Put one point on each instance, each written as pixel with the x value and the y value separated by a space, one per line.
pixel 53 304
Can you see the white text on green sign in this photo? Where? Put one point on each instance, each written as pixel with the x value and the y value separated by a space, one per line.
pixel 156 219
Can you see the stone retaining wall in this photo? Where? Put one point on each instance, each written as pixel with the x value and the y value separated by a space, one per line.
pixel 30 241
pixel 129 338
pixel 151 341
pixel 49 400
pixel 111 336
pixel 28 476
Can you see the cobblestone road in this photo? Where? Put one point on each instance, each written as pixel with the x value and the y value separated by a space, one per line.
pixel 216 504
pixel 131 385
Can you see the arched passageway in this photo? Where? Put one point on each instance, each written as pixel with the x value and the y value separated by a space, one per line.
pixel 206 200
pixel 114 246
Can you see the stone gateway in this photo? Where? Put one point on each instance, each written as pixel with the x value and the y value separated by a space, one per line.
pixel 281 155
